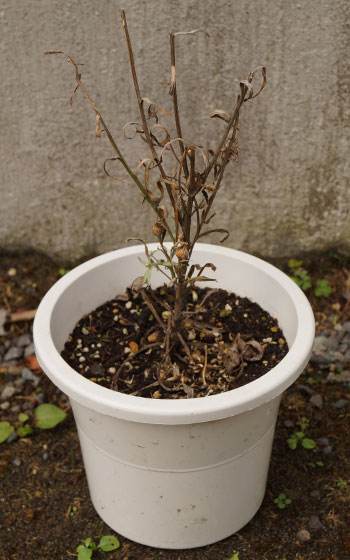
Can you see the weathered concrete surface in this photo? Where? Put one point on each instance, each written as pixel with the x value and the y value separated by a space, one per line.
pixel 288 193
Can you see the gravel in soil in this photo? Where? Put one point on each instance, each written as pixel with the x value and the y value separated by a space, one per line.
pixel 45 509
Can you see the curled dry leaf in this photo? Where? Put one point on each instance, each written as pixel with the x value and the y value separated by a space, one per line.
pixel 249 87
pixel 137 130
pixel 192 281
pixel 220 115
pixel 154 107
pixel 253 351
pixel 142 241
pixel 239 352
pixel 217 230
pixel 188 390
pixel 98 131
pixel 263 83
pixel 192 32
pixel 138 283
pixel 233 359
pixel 107 172
pixel 157 129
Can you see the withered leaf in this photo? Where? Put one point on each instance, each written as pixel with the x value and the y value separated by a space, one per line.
pixel 191 281
pixel 217 230
pixel 218 113
pixel 153 106
pixel 122 297
pixel 107 172
pixel 138 283
pixel 137 130
pixel 253 351
pixel 188 390
pixel 98 131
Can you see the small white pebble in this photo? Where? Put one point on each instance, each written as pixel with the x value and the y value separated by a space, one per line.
pixel 79 341
pixel 112 370
pixel 127 350
pixel 245 315
pixel 194 296
pixel 166 314
pixel 228 307
pixel 92 346
pixel 85 349
pixel 116 318
pixel 125 331
pixel 237 301
pixel 128 305
pixel 81 359
pixel 99 345
pixel 192 335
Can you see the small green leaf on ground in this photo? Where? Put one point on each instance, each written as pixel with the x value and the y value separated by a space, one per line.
pixel 292 263
pixel 83 552
pixel 23 417
pixel 282 501
pixel 302 279
pixel 5 431
pixel 235 556
pixel 63 271
pixel 108 542
pixel 48 416
pixel 24 431
pixel 89 543
pixel 308 443
pixel 323 288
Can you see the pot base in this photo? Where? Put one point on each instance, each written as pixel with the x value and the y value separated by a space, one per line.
pixel 180 490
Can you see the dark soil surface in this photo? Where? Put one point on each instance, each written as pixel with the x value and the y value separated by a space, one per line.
pixel 225 342
pixel 45 510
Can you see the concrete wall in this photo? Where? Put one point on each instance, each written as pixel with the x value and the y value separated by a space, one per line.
pixel 289 192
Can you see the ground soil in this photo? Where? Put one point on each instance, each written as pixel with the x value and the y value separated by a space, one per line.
pixel 45 510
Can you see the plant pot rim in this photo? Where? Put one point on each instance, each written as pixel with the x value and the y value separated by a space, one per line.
pixel 168 411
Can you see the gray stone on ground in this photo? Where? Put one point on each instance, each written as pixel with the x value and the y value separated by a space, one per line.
pixel 13 353
pixel 29 350
pixel 303 535
pixel 322 359
pixel 3 316
pixel 314 522
pixel 12 437
pixel 317 401
pixel 8 392
pixel 341 403
pixel 28 375
pixel 343 377
pixel 24 340
pixel 305 389
pixel 327 450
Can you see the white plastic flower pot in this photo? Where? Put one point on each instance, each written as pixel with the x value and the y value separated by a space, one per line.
pixel 175 473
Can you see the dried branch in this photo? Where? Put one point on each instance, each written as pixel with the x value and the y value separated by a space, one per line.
pixel 139 98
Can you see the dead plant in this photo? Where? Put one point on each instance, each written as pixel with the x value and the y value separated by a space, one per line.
pixel 182 199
